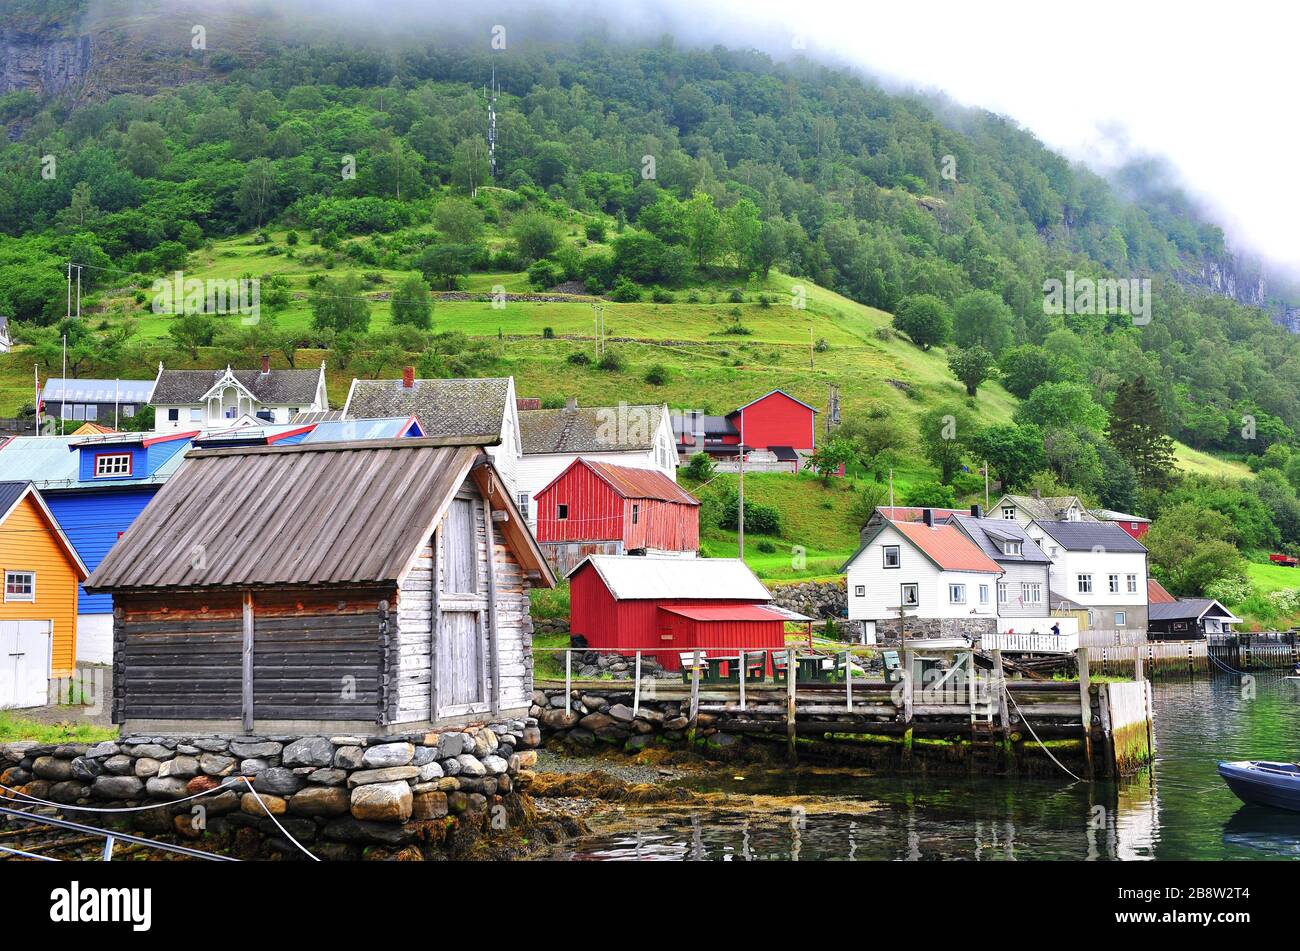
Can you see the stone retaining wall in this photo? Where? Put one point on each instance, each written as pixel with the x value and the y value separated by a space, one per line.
pixel 335 794
pixel 818 599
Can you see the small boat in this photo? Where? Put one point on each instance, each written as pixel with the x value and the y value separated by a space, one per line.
pixel 1263 783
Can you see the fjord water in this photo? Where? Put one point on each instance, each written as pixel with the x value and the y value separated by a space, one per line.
pixel 1177 809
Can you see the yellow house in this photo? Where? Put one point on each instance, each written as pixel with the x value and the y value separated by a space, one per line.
pixel 41 571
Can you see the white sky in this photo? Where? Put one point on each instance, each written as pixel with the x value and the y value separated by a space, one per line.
pixel 1208 87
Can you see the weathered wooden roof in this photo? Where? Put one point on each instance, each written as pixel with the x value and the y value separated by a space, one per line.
pixel 322 513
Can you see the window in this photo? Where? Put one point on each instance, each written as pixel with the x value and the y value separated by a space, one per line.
pixel 957 593
pixel 92 411
pixel 1012 548
pixel 1051 551
pixel 1135 525
pixel 1132 584
pixel 1031 592
pixel 111 464
pixel 860 591
pixel 1121 618
pixel 911 595
pixel 196 415
pixel 1009 512
pixel 65 411
pixel 20 586
pixel 78 411
pixel 561 512
pixel 1085 584
pixel 173 415
pixel 128 410
pixel 1112 584
pixel 1004 592
pixel 636 513
pixel 984 594
pixel 523 498
pixel 891 556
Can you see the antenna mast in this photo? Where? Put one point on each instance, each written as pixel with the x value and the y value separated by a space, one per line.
pixel 492 126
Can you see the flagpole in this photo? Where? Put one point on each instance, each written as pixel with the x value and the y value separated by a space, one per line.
pixel 64 394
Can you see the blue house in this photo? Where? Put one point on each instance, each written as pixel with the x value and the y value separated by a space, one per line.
pixel 95 486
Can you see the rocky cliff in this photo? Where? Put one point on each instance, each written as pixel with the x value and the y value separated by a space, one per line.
pixel 42 63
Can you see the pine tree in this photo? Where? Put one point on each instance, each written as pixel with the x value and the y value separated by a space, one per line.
pixel 1137 432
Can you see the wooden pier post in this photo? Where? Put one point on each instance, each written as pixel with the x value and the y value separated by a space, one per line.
pixel 1085 704
pixel 1139 668
pixel 247 670
pixel 695 688
pixel 1000 685
pixel 848 681
pixel 791 676
pixel 742 678
pixel 568 679
pixel 909 670
pixel 636 688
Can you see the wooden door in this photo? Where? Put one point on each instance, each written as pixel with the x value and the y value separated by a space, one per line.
pixel 460 657
pixel 24 663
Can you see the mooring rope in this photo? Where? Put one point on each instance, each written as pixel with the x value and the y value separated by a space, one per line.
pixel 301 847
pixel 1231 670
pixel 1025 721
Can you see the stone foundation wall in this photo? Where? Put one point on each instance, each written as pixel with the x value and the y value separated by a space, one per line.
pixel 335 794
pixel 969 628
pixel 818 599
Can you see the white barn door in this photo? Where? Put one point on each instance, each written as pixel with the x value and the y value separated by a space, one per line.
pixel 24 663
pixel 461 672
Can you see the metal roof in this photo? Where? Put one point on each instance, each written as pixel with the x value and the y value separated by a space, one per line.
pixel 989 533
pixel 643 577
pixel 590 428
pixel 324 513
pixel 1110 515
pixel 1087 536
pixel 461 407
pixel 49 463
pixel 1156 593
pixel 10 493
pixel 350 430
pixel 685 424
pixel 1184 609
pixel 947 547
pixel 725 612
pixel 632 483
pixel 60 390
pixel 300 419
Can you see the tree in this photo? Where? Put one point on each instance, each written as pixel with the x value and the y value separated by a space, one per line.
pixel 741 229
pixel 536 235
pixel 980 317
pixel 1137 431
pixel 943 432
pixel 1024 368
pixel 1192 547
pixel 255 191
pixel 924 319
pixel 700 468
pixel 81 213
pixel 444 264
pixel 829 456
pixel 1014 453
pixel 1061 405
pixel 193 330
pixel 876 440
pixel 770 248
pixel 410 305
pixel 703 227
pixel 146 148
pixel 972 366
pixel 469 165
pixel 338 305
pixel 458 221
pixel 930 495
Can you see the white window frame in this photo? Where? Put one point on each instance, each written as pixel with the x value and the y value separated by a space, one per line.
pixel 1031 592
pixel 1013 548
pixel 113 470
pixel 884 556
pixel 1121 619
pixel 956 593
pixel 1112 584
pixel 1132 584
pixel 1009 513
pixel 31 583
pixel 523 499
pixel 984 594
pixel 1004 592
pixel 860 591
pixel 916 595
pixel 1083 582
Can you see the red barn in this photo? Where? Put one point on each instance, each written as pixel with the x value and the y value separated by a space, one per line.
pixel 663 606
pixel 597 508
pixel 778 432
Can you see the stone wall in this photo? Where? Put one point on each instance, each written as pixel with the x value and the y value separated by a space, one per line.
pixel 818 599
pixel 338 795
pixel 969 628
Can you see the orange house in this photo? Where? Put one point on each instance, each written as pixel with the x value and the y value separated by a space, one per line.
pixel 41 571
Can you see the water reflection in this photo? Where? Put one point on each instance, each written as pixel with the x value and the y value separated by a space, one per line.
pixel 1177 809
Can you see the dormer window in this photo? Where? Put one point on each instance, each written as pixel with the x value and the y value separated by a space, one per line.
pixel 1009 512
pixel 1012 548
pixel 110 465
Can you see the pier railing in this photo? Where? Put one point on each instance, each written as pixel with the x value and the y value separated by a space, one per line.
pixel 1031 643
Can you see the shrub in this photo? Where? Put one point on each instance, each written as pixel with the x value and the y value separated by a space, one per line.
pixel 657 375
pixel 701 467
pixel 625 291
pixel 760 519
pixel 545 274
pixel 548 333
pixel 611 361
pixel 736 295
pixel 661 296
pixel 766 547
pixel 595 231
pixel 578 359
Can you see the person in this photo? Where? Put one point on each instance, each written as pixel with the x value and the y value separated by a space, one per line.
pixel 1056 629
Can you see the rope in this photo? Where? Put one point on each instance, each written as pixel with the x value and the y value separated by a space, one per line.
pixel 1035 735
pixel 300 846
pixel 1231 670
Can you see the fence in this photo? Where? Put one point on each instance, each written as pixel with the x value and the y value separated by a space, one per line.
pixel 1159 659
pixel 1269 650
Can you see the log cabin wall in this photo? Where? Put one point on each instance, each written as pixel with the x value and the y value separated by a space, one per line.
pixel 317 654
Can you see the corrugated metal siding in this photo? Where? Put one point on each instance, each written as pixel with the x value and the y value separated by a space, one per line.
pixel 93 521
pixel 777 420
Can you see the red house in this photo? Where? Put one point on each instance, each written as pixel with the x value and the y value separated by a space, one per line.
pixel 776 424
pixel 664 606
pixel 598 508
pixel 1134 525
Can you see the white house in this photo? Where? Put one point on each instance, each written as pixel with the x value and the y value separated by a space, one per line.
pixel 215 399
pixel 6 340
pixel 1099 567
pixel 1033 508
pixel 1023 589
pixel 446 408
pixel 635 437
pixel 940 579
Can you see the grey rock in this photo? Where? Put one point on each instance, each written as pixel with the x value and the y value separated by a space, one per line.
pixel 214 764
pixel 621 711
pixel 495 765
pixel 213 744
pixel 470 765
pixel 253 766
pixel 309 751
pixel 278 781
pixel 254 750
pixel 146 766
pixel 152 751
pixel 181 766
pixel 366 777
pixel 68 791
pixel 119 765
pixel 430 771
pixel 51 768
pixel 424 754
pixel 451 766
pixel 321 801
pixel 348 757
pixel 117 787
pixel 86 769
pixel 172 787
pixel 388 754
pixel 450 745
pixel 103 750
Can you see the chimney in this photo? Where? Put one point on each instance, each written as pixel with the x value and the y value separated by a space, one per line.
pixel 528 402
pixel 1036 493
pixel 927 516
pixel 266 363
pixel 976 512
pixel 408 377
pixel 697 430
pixel 571 403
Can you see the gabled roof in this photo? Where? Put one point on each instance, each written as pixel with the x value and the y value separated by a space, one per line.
pixel 1156 593
pixel 630 483
pixel 325 513
pixel 1189 609
pixel 274 388
pixel 51 463
pixel 460 407
pixel 765 396
pixel 262 434
pixel 12 493
pixel 686 424
pixel 914 513
pixel 1087 536
pixel 351 430
pixel 301 419
pixel 991 534
pixel 591 429
pixel 1110 515
pixel 1049 507
pixel 643 577
pixel 92 429
pixel 96 391
pixel 946 546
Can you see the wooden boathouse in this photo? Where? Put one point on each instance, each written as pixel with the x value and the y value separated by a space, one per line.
pixel 357 587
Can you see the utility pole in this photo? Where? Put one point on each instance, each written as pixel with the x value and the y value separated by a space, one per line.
pixel 598 319
pixel 986 487
pixel 740 512
pixel 810 347
pixel 891 489
pixel 63 396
